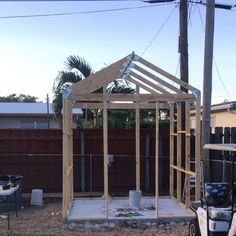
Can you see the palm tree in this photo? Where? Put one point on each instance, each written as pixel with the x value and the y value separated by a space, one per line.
pixel 76 69
pixel 120 86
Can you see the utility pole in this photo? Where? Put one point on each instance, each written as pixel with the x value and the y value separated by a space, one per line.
pixel 207 80
pixel 183 41
pixel 183 50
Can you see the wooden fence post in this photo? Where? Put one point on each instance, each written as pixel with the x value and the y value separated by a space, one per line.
pixel 233 135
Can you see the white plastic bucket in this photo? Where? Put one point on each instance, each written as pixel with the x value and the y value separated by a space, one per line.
pixel 37 197
pixel 135 198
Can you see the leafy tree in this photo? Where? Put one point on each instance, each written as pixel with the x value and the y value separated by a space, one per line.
pixel 76 69
pixel 18 98
pixel 120 118
pixel 148 117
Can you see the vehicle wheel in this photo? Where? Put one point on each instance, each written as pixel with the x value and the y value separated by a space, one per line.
pixel 193 228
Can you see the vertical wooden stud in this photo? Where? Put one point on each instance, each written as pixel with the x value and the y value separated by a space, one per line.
pixel 105 153
pixel 71 155
pixel 171 177
pixel 179 145
pixel 198 150
pixel 157 161
pixel 187 154
pixel 137 142
pixel 67 163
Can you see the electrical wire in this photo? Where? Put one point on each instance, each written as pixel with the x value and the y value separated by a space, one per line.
pixel 95 11
pixel 189 18
pixel 192 10
pixel 177 68
pixel 81 12
pixel 218 96
pixel 214 62
pixel 217 71
pixel 158 31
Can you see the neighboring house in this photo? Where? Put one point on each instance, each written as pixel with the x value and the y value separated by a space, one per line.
pixel 30 116
pixel 222 115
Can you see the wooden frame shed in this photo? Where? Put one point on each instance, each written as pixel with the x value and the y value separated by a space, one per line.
pixel 155 89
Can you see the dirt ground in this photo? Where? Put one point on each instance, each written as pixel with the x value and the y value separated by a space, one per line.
pixel 47 220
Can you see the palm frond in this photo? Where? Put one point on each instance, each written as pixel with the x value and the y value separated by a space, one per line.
pixel 76 62
pixel 65 77
pixel 120 86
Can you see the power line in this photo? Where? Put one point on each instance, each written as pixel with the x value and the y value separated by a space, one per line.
pixel 177 68
pixel 80 12
pixel 158 32
pixel 215 64
pixel 217 70
pixel 222 96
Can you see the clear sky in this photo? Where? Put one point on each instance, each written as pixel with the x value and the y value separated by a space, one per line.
pixel 33 50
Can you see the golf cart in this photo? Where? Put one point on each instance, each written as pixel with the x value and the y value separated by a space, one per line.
pixel 215 212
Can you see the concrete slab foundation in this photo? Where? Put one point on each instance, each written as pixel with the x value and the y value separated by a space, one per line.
pixel 93 209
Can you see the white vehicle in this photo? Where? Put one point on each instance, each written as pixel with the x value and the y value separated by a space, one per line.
pixel 215 214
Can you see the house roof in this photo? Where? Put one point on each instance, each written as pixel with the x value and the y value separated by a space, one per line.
pixel 225 106
pixel 24 108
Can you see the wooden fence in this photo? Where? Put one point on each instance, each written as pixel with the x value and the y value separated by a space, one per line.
pixel 220 167
pixel 37 156
pixel 224 135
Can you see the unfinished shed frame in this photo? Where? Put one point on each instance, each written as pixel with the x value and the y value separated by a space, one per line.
pixel 155 89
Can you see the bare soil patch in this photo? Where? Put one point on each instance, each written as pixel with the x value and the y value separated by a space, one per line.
pixel 47 220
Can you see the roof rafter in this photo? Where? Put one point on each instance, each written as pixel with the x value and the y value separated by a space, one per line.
pixel 157 79
pixel 139 72
pixel 148 82
pixel 166 74
pixel 99 79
